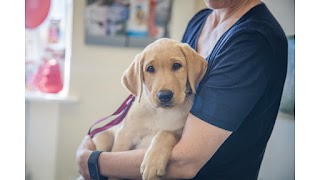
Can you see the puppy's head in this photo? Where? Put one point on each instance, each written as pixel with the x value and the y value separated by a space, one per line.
pixel 165 72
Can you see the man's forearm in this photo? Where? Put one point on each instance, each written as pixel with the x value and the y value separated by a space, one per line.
pixel 125 165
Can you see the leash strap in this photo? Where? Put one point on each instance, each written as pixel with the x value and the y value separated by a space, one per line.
pixel 122 110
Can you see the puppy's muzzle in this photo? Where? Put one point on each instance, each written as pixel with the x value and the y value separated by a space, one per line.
pixel 165 97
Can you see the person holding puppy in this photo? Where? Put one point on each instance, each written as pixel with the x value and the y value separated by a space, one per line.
pixel 236 104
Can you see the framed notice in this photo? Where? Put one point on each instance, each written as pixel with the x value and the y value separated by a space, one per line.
pixel 127 23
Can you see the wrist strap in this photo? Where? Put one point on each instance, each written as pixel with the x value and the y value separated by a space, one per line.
pixel 93 166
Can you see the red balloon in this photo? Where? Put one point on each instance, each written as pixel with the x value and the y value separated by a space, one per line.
pixel 36 12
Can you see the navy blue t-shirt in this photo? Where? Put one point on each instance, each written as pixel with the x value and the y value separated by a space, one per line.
pixel 241 90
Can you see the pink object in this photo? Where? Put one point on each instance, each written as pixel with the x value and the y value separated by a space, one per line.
pixel 49 77
pixel 54 31
pixel 36 11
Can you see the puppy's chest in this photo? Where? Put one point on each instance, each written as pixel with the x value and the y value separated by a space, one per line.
pixel 155 122
pixel 167 120
pixel 142 125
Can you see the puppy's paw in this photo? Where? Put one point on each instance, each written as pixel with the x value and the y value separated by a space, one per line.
pixel 153 169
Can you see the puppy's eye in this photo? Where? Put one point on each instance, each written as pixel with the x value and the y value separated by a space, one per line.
pixel 176 66
pixel 150 69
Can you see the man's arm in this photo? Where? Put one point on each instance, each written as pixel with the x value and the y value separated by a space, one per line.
pixel 199 142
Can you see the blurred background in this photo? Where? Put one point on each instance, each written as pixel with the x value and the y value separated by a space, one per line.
pixel 75 54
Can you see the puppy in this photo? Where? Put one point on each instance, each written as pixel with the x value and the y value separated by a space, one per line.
pixel 163 78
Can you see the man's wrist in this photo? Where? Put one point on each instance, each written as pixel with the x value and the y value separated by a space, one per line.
pixel 93 166
pixel 82 161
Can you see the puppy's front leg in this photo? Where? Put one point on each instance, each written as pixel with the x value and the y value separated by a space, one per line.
pixel 104 140
pixel 122 142
pixel 158 154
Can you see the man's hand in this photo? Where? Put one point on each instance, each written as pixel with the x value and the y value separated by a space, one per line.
pixel 83 152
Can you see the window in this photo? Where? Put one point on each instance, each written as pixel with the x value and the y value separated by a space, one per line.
pixel 47 47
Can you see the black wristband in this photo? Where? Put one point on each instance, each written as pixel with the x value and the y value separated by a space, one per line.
pixel 93 166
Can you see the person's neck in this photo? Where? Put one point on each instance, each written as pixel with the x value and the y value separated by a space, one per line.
pixel 235 10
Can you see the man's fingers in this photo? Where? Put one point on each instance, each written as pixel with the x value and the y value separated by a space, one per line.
pixel 83 152
pixel 82 159
pixel 87 143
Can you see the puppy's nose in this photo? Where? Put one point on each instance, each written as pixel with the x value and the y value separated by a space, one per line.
pixel 165 96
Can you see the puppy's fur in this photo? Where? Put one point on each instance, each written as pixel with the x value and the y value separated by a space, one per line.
pixel 163 77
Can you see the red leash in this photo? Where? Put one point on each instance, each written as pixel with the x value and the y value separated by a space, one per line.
pixel 122 110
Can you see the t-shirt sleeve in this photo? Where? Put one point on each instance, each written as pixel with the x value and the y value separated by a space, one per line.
pixel 235 80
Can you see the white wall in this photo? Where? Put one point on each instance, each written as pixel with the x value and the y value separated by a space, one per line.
pixel 279 162
pixel 283 10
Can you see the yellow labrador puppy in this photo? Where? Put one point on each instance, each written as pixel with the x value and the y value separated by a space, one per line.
pixel 163 77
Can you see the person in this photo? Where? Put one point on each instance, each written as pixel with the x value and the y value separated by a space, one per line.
pixel 236 104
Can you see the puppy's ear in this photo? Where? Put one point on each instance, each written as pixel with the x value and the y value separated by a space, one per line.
pixel 132 78
pixel 196 66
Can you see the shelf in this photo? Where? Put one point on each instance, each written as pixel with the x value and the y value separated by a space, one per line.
pixel 43 97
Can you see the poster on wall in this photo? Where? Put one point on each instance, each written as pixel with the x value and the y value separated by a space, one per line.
pixel 287 104
pixel 127 23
